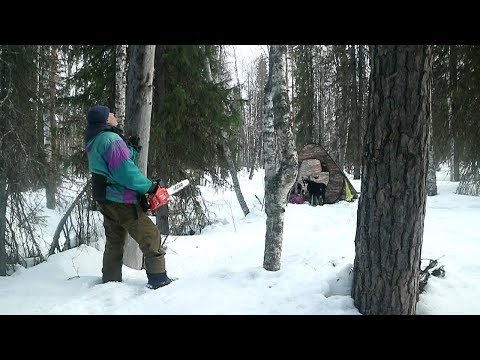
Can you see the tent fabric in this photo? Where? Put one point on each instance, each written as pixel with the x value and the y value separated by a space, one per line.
pixel 316 164
pixel 348 193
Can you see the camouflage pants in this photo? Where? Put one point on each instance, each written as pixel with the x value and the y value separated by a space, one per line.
pixel 120 219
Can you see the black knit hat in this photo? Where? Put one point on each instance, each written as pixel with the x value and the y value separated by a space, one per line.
pixel 98 114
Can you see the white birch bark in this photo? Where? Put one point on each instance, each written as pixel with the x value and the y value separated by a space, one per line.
pixel 120 83
pixel 280 155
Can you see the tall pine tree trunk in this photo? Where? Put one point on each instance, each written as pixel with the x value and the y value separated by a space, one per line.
pixel 391 208
pixel 358 149
pixel 51 131
pixel 39 128
pixel 452 139
pixel 249 124
pixel 138 117
pixel 159 98
pixel 452 112
pixel 309 50
pixel 322 99
pixel 120 83
pixel 280 156
pixel 320 79
pixel 432 174
pixel 342 118
pixel 353 114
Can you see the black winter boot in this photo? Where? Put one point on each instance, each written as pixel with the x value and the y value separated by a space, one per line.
pixel 157 280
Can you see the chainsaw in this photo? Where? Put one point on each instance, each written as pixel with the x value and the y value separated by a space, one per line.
pixel 162 195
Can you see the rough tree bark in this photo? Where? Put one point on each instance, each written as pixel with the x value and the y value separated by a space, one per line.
pixel 280 155
pixel 391 209
pixel 159 96
pixel 138 116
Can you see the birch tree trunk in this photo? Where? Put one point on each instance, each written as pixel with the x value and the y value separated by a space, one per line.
pixel 138 117
pixel 280 155
pixel 120 83
pixel 391 209
pixel 226 149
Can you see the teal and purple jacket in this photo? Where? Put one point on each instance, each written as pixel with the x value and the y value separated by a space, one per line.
pixel 109 155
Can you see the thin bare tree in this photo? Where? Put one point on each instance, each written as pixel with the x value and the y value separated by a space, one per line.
pixel 51 130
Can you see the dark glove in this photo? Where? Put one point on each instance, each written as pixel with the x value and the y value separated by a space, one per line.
pixel 134 142
pixel 160 182
pixel 144 200
pixel 152 189
pixel 144 203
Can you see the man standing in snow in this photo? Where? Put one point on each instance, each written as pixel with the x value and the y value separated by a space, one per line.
pixel 117 187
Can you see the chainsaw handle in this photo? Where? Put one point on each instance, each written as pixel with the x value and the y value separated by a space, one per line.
pixel 158 199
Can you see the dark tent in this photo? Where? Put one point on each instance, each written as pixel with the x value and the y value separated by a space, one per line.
pixel 316 165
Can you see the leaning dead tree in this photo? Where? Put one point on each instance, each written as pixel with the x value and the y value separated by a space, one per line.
pixel 77 224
